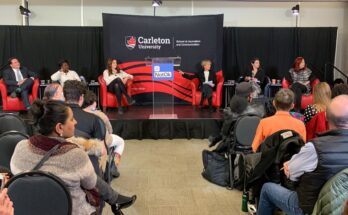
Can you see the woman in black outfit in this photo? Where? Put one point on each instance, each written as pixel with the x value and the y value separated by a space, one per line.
pixel 207 82
pixel 255 75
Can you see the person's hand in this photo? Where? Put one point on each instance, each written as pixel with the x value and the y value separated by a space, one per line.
pixel 6 206
pixel 124 80
pixel 286 168
pixel 181 72
pixel 21 82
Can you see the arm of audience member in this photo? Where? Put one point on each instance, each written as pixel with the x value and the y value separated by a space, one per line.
pixel 85 170
pixel 98 131
pixel 305 161
pixel 7 78
pixel 6 205
pixel 56 76
pixel 258 138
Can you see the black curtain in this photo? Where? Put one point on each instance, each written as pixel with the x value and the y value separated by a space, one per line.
pixel 277 48
pixel 40 48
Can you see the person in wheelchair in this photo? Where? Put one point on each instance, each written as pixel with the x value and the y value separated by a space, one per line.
pixel 315 164
pixel 240 104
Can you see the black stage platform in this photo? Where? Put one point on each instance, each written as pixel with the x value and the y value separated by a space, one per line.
pixel 190 123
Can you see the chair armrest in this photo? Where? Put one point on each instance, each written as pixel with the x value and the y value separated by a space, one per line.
pixel 219 92
pixel 103 90
pixel 35 88
pixel 193 91
pixel 129 87
pixel 285 83
pixel 3 90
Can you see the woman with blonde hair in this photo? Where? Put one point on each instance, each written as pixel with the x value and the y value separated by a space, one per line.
pixel 322 98
pixel 207 82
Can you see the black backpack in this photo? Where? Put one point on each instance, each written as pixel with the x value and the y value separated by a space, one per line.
pixel 215 168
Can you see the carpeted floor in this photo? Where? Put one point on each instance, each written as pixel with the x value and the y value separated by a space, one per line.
pixel 166 176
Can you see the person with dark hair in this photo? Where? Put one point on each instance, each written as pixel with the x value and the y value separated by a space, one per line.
pixel 116 80
pixel 64 73
pixel 283 103
pixel 340 89
pixel 256 76
pixel 207 82
pixel 338 81
pixel 19 81
pixel 300 78
pixel 240 105
pixel 56 123
pixel 54 91
pixel 316 162
pixel 112 140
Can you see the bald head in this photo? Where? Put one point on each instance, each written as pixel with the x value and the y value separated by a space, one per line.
pixel 337 112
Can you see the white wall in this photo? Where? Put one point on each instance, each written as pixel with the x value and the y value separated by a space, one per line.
pixel 254 14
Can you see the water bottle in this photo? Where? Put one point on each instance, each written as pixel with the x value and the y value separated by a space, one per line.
pixel 245 200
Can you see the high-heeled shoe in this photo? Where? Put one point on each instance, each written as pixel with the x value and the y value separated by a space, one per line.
pixel 122 202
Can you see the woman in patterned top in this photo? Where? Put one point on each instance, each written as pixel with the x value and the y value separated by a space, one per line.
pixel 300 78
pixel 322 98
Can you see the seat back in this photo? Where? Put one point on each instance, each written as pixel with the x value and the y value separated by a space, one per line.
pixel 245 129
pixel 9 122
pixel 37 192
pixel 8 142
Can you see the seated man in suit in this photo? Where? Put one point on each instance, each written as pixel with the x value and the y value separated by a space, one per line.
pixel 19 81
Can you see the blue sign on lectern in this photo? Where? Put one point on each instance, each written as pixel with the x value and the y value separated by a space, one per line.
pixel 163 72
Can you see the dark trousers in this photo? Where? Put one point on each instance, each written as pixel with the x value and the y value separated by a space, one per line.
pixel 25 87
pixel 298 90
pixel 117 87
pixel 207 93
pixel 106 192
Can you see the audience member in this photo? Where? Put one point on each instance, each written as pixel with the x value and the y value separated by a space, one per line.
pixel 207 82
pixel 88 125
pixel 116 80
pixel 64 74
pixel 56 123
pixel 112 140
pixel 6 205
pixel 19 81
pixel 256 76
pixel 240 105
pixel 322 98
pixel 54 91
pixel 316 163
pixel 300 78
pixel 283 103
pixel 340 89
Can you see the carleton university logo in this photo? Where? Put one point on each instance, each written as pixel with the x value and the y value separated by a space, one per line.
pixel 131 42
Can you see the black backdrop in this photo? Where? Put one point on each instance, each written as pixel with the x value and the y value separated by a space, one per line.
pixel 41 47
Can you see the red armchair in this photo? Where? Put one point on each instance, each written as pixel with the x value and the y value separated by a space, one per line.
pixel 16 104
pixel 217 95
pixel 108 99
pixel 306 99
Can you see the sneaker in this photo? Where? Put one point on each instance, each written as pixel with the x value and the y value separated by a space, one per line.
pixel 120 110
pixel 18 90
pixel 211 110
pixel 252 209
pixel 131 101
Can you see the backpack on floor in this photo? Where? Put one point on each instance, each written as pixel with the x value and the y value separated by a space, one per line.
pixel 215 168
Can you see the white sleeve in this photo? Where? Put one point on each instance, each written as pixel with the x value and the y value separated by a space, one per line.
pixel 56 76
pixel 76 76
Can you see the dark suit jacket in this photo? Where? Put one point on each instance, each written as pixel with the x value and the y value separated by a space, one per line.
pixel 10 78
pixel 200 76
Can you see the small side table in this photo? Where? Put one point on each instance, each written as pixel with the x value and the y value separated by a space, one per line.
pixel 42 89
pixel 228 87
pixel 273 89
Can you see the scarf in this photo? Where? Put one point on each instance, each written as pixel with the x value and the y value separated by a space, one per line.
pixel 47 143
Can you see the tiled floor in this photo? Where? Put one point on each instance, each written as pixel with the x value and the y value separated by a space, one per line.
pixel 166 176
